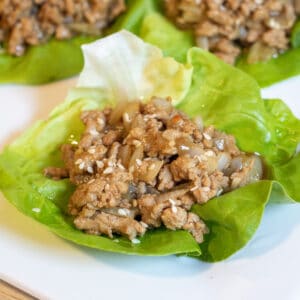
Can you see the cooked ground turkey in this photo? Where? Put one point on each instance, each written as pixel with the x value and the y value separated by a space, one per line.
pixel 32 22
pixel 226 27
pixel 141 166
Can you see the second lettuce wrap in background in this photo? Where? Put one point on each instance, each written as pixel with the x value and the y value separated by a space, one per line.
pixel 57 59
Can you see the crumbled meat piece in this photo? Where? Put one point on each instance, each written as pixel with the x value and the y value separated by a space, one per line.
pixel 196 227
pixel 56 173
pixel 32 22
pixel 165 179
pixel 227 27
pixel 174 217
pixel 149 162
pixel 275 38
pixel 108 224
pixel 103 192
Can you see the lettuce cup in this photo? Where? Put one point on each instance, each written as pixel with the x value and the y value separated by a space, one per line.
pixel 149 156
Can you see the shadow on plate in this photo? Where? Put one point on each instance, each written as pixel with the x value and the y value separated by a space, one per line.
pixel 31 232
pixel 154 266
pixel 278 223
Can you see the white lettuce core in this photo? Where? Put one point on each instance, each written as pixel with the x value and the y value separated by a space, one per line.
pixel 122 67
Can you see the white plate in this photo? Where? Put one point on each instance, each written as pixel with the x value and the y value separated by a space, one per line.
pixel 51 268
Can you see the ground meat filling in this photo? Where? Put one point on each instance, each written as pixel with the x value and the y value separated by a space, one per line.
pixel 141 166
pixel 32 22
pixel 226 27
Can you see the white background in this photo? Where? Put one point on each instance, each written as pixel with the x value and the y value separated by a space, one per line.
pixel 51 268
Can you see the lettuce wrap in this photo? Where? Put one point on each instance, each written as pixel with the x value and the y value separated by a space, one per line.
pixel 60 59
pixel 122 67
pixel 155 28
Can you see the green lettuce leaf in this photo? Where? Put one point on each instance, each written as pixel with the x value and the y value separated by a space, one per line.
pixel 106 70
pixel 49 62
pixel 223 96
pixel 284 66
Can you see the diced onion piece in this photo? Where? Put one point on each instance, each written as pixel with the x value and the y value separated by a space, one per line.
pixel 152 170
pixel 223 161
pixel 199 122
pixel 117 112
pixel 211 164
pixel 129 113
pixel 202 42
pixel 125 154
pixel 186 146
pixel 255 171
pixel 121 212
pixel 163 104
pixel 137 155
pixel 90 29
pixel 260 52
pixel 236 165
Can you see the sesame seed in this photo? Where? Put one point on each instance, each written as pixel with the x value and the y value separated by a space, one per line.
pixel 172 201
pixel 138 162
pixel 78 161
pixel 183 147
pixel 107 186
pixel 94 132
pixel 220 144
pixel 194 188
pixel 274 24
pixel 136 143
pixel 119 165
pixel 123 212
pixel 152 116
pixel 108 170
pixel 100 121
pixel 36 210
pixel 209 153
pixel 74 143
pixel 144 224
pixel 92 151
pixel 152 167
pixel 198 158
pixel 126 118
pixel 111 164
pixel 135 241
pixel 99 164
pixel 174 209
pixel 219 192
pixel 91 181
pixel 90 169
pixel 207 136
